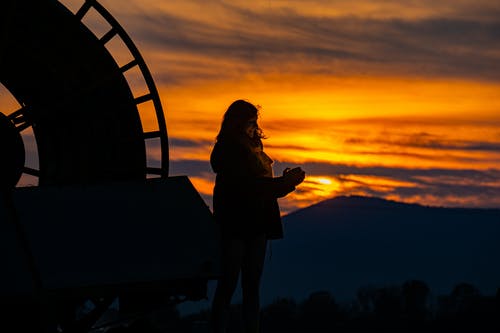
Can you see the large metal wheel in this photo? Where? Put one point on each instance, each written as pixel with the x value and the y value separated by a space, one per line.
pixel 75 97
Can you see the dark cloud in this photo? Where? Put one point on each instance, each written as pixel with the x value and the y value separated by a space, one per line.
pixel 195 168
pixel 426 140
pixel 294 147
pixel 395 152
pixel 473 188
pixel 402 174
pixel 429 147
pixel 286 39
pixel 177 142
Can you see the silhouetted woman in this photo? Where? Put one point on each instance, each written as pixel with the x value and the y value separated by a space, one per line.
pixel 246 207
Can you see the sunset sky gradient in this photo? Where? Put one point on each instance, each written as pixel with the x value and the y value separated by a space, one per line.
pixel 394 99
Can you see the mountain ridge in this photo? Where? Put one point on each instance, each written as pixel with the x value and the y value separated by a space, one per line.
pixel 344 243
pixel 353 200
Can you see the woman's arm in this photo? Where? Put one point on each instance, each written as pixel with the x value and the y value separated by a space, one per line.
pixel 232 163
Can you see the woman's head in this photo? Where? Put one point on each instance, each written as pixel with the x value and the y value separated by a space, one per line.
pixel 240 122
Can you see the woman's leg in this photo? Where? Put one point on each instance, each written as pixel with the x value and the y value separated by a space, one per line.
pixel 232 256
pixel 252 267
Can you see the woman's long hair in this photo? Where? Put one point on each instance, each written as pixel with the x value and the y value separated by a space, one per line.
pixel 234 121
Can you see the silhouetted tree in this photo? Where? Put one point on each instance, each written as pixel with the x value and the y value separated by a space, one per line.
pixel 388 305
pixel 380 307
pixel 463 292
pixel 497 301
pixel 280 316
pixel 377 309
pixel 415 297
pixel 466 309
pixel 366 299
pixel 463 297
pixel 319 312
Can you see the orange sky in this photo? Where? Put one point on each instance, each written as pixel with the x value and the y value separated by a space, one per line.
pixel 397 99
pixel 362 122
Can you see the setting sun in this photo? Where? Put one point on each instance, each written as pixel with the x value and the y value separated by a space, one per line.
pixel 324 181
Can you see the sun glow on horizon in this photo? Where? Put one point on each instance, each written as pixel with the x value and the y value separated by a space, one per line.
pixel 324 181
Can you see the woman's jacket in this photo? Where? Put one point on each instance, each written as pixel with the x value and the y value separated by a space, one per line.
pixel 245 200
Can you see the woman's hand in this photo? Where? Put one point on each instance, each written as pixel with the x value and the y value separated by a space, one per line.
pixel 294 176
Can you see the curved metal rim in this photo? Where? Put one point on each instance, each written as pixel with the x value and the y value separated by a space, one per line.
pixel 138 60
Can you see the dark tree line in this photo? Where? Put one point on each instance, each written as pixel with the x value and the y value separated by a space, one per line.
pixel 409 307
pixel 405 308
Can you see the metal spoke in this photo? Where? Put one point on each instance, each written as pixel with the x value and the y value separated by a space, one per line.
pixel 31 171
pixel 128 66
pixel 108 36
pixel 151 135
pixel 117 30
pixel 84 9
pixel 143 99
pixel 19 119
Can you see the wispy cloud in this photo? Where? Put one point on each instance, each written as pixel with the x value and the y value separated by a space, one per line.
pixel 242 38
pixel 392 98
pixel 437 187
pixel 178 142
pixel 430 141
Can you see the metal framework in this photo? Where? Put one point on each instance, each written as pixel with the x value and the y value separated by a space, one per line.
pixel 19 117
pixel 138 60
pixel 70 237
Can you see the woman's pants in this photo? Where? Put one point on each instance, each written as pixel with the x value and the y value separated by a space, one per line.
pixel 248 257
